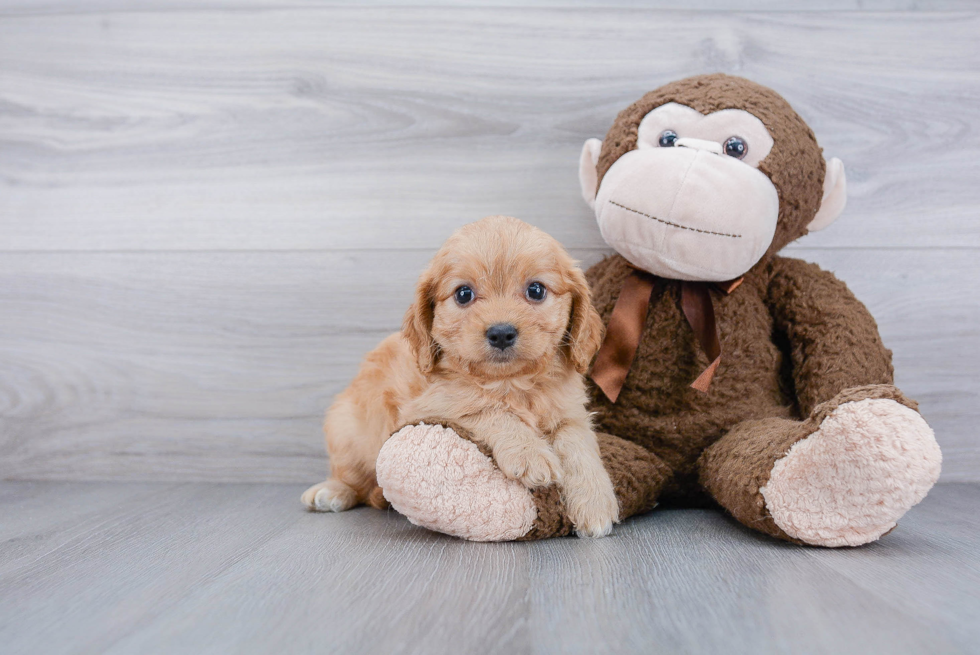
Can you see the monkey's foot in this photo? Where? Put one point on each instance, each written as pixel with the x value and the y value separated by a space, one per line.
pixel 442 482
pixel 849 482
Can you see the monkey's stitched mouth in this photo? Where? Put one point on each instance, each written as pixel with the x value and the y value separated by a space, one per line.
pixel 683 227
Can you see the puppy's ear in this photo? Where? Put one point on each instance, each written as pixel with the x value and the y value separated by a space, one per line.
pixel 585 328
pixel 417 326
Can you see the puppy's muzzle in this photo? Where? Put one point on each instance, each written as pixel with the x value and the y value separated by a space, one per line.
pixel 502 336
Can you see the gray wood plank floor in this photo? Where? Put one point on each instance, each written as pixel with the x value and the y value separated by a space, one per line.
pixel 210 568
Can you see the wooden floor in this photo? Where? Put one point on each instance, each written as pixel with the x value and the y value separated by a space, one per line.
pixel 236 568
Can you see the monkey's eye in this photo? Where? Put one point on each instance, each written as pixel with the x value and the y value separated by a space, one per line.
pixel 536 292
pixel 736 147
pixel 463 295
pixel 668 138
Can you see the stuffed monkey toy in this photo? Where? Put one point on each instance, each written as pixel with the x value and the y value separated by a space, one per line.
pixel 729 375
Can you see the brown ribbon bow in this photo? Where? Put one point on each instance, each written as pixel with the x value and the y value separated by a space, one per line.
pixel 615 357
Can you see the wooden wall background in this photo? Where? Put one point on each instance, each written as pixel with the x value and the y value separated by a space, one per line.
pixel 209 211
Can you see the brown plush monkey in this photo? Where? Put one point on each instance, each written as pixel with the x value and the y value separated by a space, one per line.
pixel 729 374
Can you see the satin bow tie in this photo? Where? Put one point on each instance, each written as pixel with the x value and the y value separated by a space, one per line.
pixel 612 364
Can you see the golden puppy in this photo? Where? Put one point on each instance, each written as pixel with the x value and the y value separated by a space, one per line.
pixel 500 334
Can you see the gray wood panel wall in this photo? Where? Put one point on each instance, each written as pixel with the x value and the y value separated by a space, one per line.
pixel 210 212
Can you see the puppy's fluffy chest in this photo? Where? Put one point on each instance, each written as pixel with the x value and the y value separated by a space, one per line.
pixel 542 402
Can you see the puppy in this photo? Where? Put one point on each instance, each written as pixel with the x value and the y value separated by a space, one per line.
pixel 498 339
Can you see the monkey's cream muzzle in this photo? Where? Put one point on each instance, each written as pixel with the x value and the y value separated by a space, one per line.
pixel 687 212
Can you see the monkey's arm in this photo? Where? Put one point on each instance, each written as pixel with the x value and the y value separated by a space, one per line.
pixel 833 340
pixel 441 477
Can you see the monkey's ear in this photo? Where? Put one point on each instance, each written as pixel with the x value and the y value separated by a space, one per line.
pixel 588 173
pixel 834 196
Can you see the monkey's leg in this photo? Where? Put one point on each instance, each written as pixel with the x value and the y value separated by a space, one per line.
pixel 843 477
pixel 440 479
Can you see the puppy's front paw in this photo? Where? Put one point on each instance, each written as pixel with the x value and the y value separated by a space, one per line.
pixel 592 510
pixel 535 465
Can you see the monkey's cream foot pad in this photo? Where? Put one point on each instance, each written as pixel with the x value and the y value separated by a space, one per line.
pixel 441 481
pixel 849 482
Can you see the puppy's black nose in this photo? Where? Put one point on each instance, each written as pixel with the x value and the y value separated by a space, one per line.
pixel 502 335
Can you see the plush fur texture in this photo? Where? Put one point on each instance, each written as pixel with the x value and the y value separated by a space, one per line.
pixel 476 502
pixel 834 345
pixel 802 435
pixel 736 468
pixel 442 479
pixel 851 480
pixel 795 164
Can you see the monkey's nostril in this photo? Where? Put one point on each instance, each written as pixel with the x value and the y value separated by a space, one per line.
pixel 502 335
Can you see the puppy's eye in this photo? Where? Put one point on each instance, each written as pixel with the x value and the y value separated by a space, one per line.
pixel 667 139
pixel 463 295
pixel 536 292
